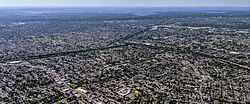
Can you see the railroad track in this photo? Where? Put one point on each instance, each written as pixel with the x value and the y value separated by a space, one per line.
pixel 113 45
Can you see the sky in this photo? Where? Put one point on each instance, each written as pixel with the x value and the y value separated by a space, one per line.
pixel 147 3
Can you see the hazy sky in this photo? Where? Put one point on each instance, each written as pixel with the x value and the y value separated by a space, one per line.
pixel 125 3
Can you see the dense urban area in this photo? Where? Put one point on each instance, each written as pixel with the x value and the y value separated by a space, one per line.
pixel 57 56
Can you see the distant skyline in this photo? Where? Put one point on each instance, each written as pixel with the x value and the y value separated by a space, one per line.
pixel 133 3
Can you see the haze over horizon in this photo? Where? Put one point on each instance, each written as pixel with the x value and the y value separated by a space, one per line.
pixel 133 3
